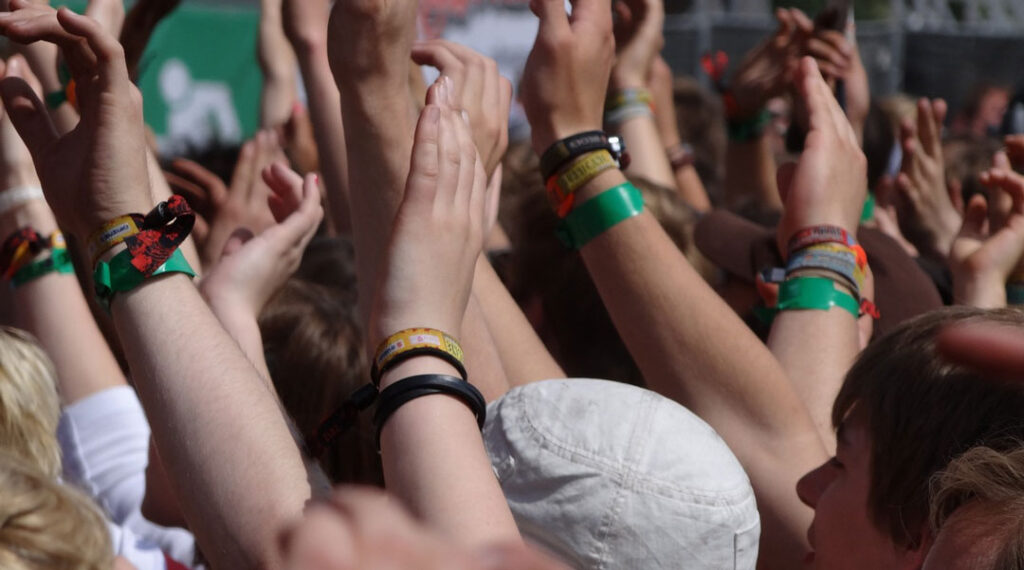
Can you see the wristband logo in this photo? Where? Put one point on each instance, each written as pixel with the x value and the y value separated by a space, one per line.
pixel 390 349
pixel 425 339
pixel 115 231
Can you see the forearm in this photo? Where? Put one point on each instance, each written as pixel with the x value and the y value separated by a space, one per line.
pixel 434 461
pixel 750 175
pixel 53 308
pixel 984 292
pixel 692 189
pixel 646 151
pixel 686 340
pixel 229 454
pixel 277 63
pixel 816 348
pixel 328 129
pixel 42 58
pixel 242 326
pixel 523 356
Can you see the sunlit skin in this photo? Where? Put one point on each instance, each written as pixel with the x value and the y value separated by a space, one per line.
pixel 842 534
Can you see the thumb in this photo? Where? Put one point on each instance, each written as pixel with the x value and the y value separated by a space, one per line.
pixel 28 114
pixel 975 217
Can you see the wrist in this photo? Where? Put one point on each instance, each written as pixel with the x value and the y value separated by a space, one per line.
pixel 35 213
pixel 626 79
pixel 415 366
pixel 542 138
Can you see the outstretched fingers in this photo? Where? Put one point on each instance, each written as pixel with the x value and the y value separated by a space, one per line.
pixel 424 168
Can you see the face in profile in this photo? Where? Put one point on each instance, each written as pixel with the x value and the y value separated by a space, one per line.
pixel 842 535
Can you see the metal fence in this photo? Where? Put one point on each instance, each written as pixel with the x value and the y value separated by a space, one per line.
pixel 939 48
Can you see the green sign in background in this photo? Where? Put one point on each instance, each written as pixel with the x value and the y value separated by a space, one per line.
pixel 216 44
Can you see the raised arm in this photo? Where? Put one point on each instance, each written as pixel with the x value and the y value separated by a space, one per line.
pixel 277 61
pixel 227 448
pixel 305 25
pixel 370 45
pixel 682 335
pixel 825 189
pixel 432 440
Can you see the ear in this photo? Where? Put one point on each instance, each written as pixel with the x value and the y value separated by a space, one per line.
pixel 913 558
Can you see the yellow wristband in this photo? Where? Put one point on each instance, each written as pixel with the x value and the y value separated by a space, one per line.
pixel 561 187
pixel 110 234
pixel 411 342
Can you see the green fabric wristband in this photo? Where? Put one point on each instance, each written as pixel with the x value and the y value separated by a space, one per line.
pixel 1015 293
pixel 55 99
pixel 599 214
pixel 868 212
pixel 746 130
pixel 817 293
pixel 58 261
pixel 119 275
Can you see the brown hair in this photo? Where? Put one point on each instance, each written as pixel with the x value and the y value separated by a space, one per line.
pixel 314 351
pixel 541 270
pixel 993 480
pixel 45 525
pixel 922 412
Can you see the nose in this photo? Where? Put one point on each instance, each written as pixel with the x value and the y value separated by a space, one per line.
pixel 810 487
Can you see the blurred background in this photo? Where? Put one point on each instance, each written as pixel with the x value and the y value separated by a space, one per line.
pixel 202 59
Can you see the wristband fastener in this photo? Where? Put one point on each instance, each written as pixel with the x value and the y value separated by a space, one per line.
pixel 408 389
pixel 119 275
pixel 599 214
pixel 408 343
pixel 341 420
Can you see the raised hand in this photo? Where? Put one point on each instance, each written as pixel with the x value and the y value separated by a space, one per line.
pixel 766 71
pixel 982 258
pixel 253 268
pixel 16 167
pixel 829 183
pixel 839 58
pixel 566 74
pixel 638 39
pixel 926 212
pixel 227 211
pixel 97 171
pixel 439 229
pixel 480 91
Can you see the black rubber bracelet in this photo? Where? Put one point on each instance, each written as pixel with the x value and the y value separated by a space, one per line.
pixel 448 357
pixel 569 148
pixel 408 389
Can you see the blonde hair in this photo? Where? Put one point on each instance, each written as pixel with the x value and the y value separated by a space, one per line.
pixel 46 525
pixel 994 481
pixel 29 407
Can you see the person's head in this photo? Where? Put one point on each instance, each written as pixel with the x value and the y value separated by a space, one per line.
pixel 983 109
pixel 314 351
pixel 977 512
pixel 46 525
pixel 902 414
pixel 699 117
pixel 29 407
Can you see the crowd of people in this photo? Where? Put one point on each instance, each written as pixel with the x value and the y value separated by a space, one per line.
pixel 770 327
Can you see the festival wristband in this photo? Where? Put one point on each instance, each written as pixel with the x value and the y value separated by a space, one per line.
pixel 111 234
pixel 1015 293
pixel 120 274
pixel 564 151
pixel 868 212
pixel 59 262
pixel 14 197
pixel 561 188
pixel 680 155
pixel 404 391
pixel 21 248
pixel 628 96
pixel 815 235
pixel 746 130
pixel 624 113
pixel 599 214
pixel 341 420
pixel 831 257
pixel 815 293
pixel 407 343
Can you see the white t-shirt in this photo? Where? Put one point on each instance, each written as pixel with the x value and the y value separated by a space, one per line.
pixel 104 440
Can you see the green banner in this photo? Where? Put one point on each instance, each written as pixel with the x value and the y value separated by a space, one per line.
pixel 199 77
